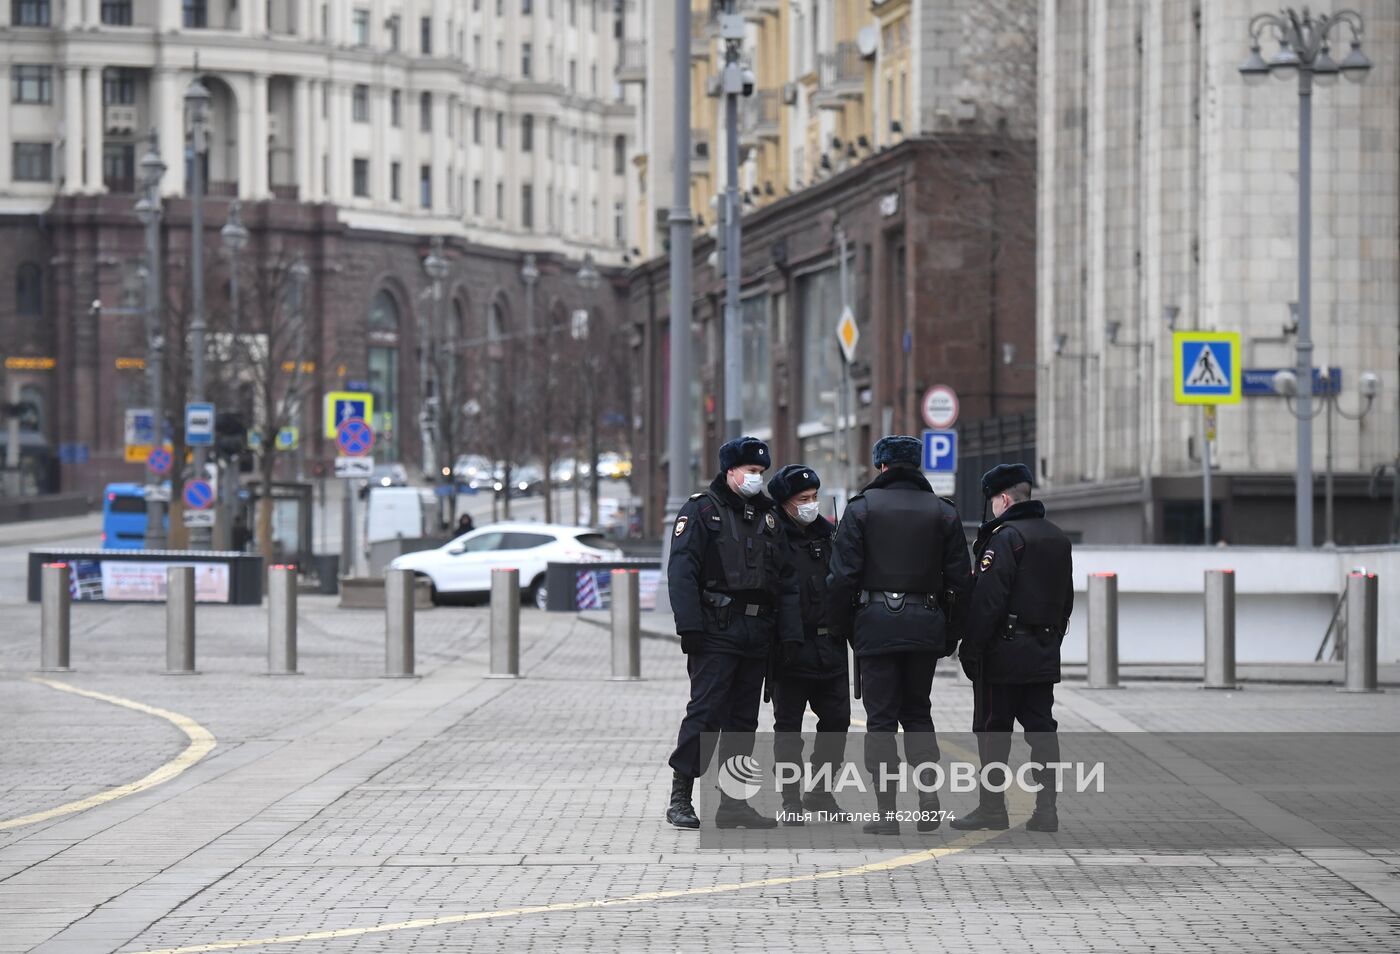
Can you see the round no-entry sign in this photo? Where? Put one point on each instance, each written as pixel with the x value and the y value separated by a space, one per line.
pixel 354 437
pixel 940 407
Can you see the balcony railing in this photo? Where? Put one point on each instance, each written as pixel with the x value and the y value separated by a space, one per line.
pixel 632 61
pixel 121 185
pixel 840 75
pixel 222 190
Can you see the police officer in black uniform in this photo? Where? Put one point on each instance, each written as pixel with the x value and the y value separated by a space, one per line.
pixel 1022 597
pixel 733 592
pixel 817 675
pixel 899 576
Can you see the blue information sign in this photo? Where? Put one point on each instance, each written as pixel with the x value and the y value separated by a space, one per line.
pixel 941 452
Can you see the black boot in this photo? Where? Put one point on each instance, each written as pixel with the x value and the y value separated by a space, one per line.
pixel 792 805
pixel 886 824
pixel 990 815
pixel 929 807
pixel 821 800
pixel 737 813
pixel 681 812
pixel 1044 818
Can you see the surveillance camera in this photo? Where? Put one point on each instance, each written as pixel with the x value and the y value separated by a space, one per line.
pixel 750 81
pixel 1369 384
pixel 96 306
pixel 1285 382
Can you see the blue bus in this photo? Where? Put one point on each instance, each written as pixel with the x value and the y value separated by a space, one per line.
pixel 124 517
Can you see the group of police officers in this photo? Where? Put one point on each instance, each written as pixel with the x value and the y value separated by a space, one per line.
pixel 767 593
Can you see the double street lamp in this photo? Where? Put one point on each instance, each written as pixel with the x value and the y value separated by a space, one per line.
pixel 436 268
pixel 197 100
pixel 149 211
pixel 1305 51
pixel 588 281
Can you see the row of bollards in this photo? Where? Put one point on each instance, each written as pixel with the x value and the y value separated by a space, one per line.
pixel 56 602
pixel 1362 631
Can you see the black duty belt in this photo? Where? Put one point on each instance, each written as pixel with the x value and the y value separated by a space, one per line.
pixel 895 600
pixel 725 601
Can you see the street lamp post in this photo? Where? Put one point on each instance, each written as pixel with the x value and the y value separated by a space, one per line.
pixel 148 210
pixel 435 267
pixel 301 278
pixel 197 102
pixel 234 238
pixel 1304 49
pixel 588 280
pixel 1286 383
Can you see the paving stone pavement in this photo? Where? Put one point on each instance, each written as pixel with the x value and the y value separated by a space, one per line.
pixel 337 801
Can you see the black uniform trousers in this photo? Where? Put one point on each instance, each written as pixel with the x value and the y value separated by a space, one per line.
pixel 896 691
pixel 830 699
pixel 725 691
pixel 996 708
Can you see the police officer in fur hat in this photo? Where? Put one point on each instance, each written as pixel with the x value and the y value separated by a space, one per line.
pixel 1022 597
pixel 816 674
pixel 733 591
pixel 899 576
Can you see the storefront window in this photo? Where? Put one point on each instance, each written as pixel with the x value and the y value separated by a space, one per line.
pixel 819 295
pixel 384 375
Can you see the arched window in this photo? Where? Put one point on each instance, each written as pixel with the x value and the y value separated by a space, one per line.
pixel 384 313
pixel 383 358
pixel 29 290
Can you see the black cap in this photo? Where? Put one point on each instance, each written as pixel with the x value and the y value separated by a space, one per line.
pixel 744 450
pixel 1003 477
pixel 898 450
pixel 791 481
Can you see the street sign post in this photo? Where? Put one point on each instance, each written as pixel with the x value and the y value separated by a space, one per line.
pixel 351 468
pixel 159 461
pixel 341 406
pixel 199 518
pixel 1207 372
pixel 941 460
pixel 199 425
pixel 940 407
pixel 199 495
pixel 355 439
pixel 140 427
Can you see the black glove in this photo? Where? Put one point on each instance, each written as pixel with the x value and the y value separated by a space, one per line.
pixel 971 666
pixel 692 642
pixel 950 646
pixel 791 650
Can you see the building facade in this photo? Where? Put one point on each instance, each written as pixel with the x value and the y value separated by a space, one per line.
pixel 901 130
pixel 352 132
pixel 1168 199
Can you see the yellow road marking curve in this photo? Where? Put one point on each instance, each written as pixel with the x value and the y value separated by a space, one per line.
pixel 202 742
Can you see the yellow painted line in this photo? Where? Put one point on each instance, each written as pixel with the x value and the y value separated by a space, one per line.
pixel 202 742
pixel 969 840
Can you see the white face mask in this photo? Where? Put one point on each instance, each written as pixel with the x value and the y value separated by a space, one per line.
pixel 750 485
pixel 808 512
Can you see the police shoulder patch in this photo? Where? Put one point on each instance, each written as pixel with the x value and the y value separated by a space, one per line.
pixel 985 563
pixel 681 523
pixel 768 519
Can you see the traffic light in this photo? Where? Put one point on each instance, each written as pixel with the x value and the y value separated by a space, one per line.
pixel 230 434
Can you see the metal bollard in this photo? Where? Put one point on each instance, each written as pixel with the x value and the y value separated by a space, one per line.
pixel 1103 631
pixel 179 621
pixel 505 624
pixel 626 626
pixel 398 624
pixel 282 620
pixel 1220 630
pixel 54 628
pixel 1362 625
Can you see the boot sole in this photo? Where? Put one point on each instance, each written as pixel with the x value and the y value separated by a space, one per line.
pixel 737 825
pixel 680 827
pixel 1044 828
pixel 999 826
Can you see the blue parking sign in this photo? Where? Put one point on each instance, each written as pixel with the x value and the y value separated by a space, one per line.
pixel 941 452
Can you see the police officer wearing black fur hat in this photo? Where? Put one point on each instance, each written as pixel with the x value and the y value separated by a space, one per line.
pixel 733 591
pixel 1022 597
pixel 816 674
pixel 899 576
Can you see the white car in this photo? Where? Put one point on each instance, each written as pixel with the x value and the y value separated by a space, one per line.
pixel 465 564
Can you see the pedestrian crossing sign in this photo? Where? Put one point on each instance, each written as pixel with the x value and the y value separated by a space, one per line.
pixel 1207 367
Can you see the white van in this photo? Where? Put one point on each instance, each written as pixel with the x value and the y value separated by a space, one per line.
pixel 393 512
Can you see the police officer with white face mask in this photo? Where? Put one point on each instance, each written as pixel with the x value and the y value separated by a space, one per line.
pixel 734 591
pixel 814 673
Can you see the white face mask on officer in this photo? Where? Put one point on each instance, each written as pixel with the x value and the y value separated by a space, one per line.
pixel 750 485
pixel 808 512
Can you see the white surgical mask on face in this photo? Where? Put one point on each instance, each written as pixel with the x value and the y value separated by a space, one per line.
pixel 752 484
pixel 808 512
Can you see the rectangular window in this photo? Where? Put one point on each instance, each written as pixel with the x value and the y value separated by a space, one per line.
pixel 359 103
pixel 395 109
pixel 118 87
pixel 33 162
pixel 527 206
pixel 593 79
pixel 196 14
pixel 476 197
pixel 361 178
pixel 425 35
pixel 527 133
pixel 573 12
pixel 756 390
pixel 30 13
pixel 394 40
pixel 821 358
pixel 425 186
pixel 425 112
pixel 500 130
pixel 476 52
pixel 359 31
pixel 527 7
pixel 476 125
pixel 119 166
pixel 395 193
pixel 31 84
pixel 501 201
pixel 619 155
pixel 619 235
pixel 526 52
pixel 116 12
pixel 573 76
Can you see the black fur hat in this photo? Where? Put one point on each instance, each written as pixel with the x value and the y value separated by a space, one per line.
pixel 791 481
pixel 897 450
pixel 744 450
pixel 1003 477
